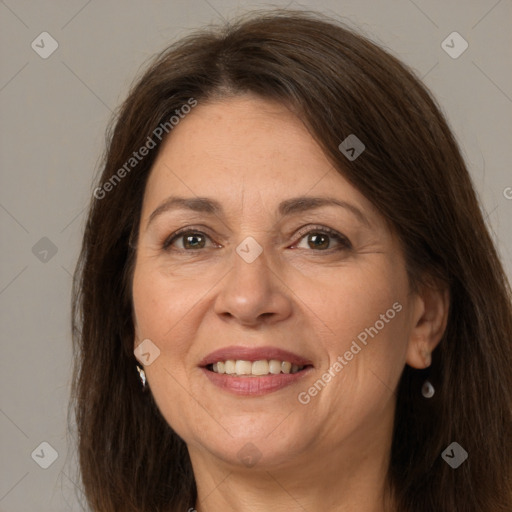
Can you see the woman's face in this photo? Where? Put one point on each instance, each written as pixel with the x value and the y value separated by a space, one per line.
pixel 280 266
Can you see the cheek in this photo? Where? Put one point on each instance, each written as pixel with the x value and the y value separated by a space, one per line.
pixel 363 361
pixel 164 309
pixel 162 301
pixel 363 313
pixel 356 299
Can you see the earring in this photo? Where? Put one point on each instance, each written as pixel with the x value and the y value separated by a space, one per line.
pixel 427 390
pixel 142 375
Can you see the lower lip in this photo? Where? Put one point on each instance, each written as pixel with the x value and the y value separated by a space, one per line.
pixel 254 386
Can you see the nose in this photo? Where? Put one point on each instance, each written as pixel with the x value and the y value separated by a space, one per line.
pixel 253 293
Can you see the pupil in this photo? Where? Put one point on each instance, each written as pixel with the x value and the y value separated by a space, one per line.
pixel 191 241
pixel 319 241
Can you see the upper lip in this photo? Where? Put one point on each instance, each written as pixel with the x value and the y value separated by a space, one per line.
pixel 253 354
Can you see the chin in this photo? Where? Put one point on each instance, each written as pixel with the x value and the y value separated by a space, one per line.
pixel 258 446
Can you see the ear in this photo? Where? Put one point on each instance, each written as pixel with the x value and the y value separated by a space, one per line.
pixel 431 306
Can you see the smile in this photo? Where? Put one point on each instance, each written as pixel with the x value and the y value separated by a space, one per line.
pixel 254 371
pixel 245 368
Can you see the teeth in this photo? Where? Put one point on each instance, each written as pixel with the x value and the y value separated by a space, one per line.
pixel 230 366
pixel 241 367
pixel 259 368
pixel 274 366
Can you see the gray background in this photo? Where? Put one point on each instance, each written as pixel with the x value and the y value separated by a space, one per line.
pixel 54 113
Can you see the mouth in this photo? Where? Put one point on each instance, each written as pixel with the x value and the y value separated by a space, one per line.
pixel 254 371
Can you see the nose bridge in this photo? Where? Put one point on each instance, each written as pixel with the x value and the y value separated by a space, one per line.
pixel 251 262
pixel 252 290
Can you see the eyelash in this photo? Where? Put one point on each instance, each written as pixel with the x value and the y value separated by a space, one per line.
pixel 344 242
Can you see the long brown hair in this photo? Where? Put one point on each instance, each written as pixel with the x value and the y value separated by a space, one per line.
pixel 339 84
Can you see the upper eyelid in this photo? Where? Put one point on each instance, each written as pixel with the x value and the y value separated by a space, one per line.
pixel 182 232
pixel 309 228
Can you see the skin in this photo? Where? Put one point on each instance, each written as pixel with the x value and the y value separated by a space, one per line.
pixel 332 453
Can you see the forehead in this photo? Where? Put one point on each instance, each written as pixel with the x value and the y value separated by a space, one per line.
pixel 244 147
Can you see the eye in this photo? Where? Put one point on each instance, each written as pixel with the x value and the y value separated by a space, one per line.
pixel 323 239
pixel 317 238
pixel 188 240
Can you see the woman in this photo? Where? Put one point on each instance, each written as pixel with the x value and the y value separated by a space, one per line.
pixel 287 297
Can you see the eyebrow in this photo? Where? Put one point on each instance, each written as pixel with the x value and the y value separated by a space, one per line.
pixel 286 208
